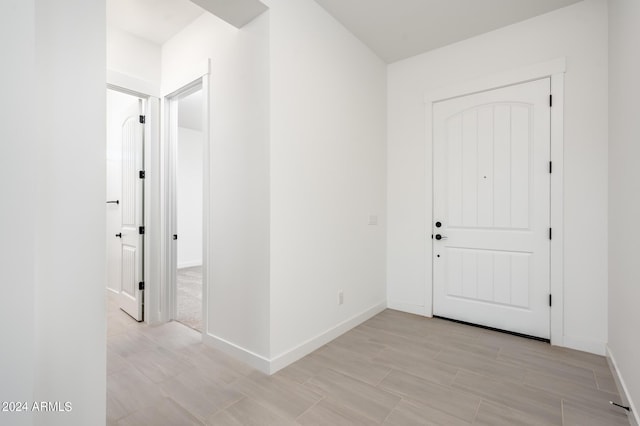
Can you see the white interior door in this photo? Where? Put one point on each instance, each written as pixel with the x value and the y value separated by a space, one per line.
pixel 132 225
pixel 491 189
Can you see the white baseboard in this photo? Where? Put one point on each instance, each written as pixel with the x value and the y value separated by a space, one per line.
pixel 281 361
pixel 253 359
pixel 277 363
pixel 622 389
pixel 590 346
pixel 189 263
pixel 407 307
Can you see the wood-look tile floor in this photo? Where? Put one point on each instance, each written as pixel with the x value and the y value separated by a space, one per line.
pixel 395 369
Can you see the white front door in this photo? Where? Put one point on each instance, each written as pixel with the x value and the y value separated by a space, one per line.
pixel 132 229
pixel 491 189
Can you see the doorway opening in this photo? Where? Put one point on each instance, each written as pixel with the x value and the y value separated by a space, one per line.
pixel 186 209
pixel 189 181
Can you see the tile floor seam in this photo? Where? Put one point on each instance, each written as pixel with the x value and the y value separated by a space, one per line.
pixel 455 376
pixel 558 393
pixel 385 376
pixel 475 415
pixel 310 408
pixel 220 410
pixel 595 377
pixel 391 411
pixel 555 396
pixel 437 354
pixel 200 419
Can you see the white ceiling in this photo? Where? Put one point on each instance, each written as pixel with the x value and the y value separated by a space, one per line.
pixel 236 12
pixel 398 29
pixel 159 20
pixel 393 29
pixel 153 20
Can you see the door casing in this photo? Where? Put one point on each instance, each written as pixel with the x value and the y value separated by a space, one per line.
pixel 555 70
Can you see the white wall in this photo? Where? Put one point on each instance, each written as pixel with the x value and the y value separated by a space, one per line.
pixel 52 318
pixel 327 167
pixel 327 176
pixel 624 187
pixel 70 296
pixel 189 200
pixel 52 168
pixel 19 207
pixel 133 56
pixel 577 32
pixel 238 292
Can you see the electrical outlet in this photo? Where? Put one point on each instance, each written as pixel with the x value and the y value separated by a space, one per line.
pixel 340 297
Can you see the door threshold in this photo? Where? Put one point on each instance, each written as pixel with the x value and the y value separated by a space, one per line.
pixel 513 333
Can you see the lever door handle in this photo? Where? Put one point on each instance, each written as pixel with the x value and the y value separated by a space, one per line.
pixel 113 202
pixel 440 237
pixel 119 235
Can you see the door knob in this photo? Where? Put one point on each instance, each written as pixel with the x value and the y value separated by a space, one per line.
pixel 440 237
pixel 119 235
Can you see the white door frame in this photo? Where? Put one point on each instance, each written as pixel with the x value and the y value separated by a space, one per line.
pixel 198 80
pixel 554 69
pixel 146 91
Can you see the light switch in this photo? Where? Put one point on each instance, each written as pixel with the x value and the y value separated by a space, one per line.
pixel 373 219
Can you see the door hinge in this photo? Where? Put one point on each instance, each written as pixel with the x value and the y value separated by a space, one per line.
pixel 550 233
pixel 142 174
pixel 141 285
pixel 141 230
pixel 550 100
pixel 143 119
pixel 550 166
pixel 549 300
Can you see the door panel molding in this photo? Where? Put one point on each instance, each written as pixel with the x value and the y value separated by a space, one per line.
pixel 555 70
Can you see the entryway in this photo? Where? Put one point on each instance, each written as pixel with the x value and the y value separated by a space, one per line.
pixel 491 211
